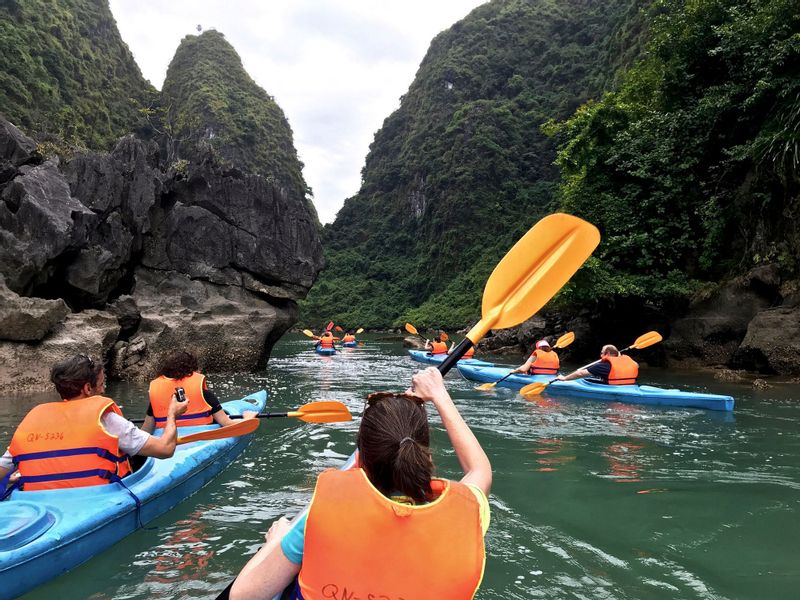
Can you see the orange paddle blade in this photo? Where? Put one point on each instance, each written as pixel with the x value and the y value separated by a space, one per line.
pixel 443 336
pixel 324 411
pixel 411 329
pixel 533 389
pixel 338 328
pixel 242 427
pixel 565 340
pixel 647 339
pixel 485 387
pixel 533 271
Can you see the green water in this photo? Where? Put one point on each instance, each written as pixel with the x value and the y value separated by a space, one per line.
pixel 590 500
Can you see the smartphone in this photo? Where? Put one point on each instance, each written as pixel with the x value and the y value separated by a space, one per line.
pixel 181 394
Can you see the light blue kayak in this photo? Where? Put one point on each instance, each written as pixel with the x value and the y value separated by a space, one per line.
pixel 46 533
pixel 349 344
pixel 325 351
pixel 436 359
pixel 581 388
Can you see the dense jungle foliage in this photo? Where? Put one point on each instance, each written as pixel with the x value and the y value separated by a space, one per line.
pixel 67 73
pixel 692 167
pixel 207 95
pixel 462 168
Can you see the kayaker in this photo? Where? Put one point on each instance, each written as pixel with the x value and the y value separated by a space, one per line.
pixel 383 505
pixel 180 369
pixel 326 340
pixel 86 439
pixel 468 354
pixel 542 361
pixel 613 368
pixel 349 338
pixel 437 346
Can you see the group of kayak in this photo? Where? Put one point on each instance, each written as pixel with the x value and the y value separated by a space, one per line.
pixel 326 341
pixel 611 378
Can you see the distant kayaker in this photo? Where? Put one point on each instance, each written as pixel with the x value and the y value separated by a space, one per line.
pixel 468 354
pixel 83 440
pixel 180 369
pixel 437 346
pixel 542 361
pixel 349 338
pixel 326 340
pixel 432 529
pixel 613 368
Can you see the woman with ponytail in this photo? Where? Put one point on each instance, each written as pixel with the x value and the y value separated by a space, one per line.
pixel 388 527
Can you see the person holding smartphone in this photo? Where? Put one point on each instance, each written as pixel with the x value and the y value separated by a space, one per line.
pixel 83 440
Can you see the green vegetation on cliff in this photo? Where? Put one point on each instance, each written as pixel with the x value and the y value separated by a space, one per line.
pixel 66 71
pixel 462 168
pixel 692 168
pixel 207 95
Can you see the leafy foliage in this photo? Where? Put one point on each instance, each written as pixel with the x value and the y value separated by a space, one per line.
pixel 461 169
pixel 208 96
pixel 691 167
pixel 67 73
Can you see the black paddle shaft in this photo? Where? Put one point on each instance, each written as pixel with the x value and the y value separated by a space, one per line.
pixel 453 357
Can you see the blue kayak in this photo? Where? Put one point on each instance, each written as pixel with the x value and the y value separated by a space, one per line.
pixel 325 351
pixel 436 359
pixel 581 388
pixel 349 344
pixel 46 533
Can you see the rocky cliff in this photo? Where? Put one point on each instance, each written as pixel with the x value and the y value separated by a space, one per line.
pixel 113 255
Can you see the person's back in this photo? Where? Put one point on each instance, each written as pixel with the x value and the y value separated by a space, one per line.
pixel 179 370
pixel 545 361
pixel 349 338
pixel 437 346
pixel 326 341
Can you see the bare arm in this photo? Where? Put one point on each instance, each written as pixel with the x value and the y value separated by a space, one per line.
pixel 579 374
pixel 527 366
pixel 269 571
pixel 429 385
pixel 149 424
pixel 164 446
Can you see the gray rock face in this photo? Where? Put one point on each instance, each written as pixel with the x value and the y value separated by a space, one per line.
pixel 28 319
pixel 772 343
pixel 206 259
pixel 26 367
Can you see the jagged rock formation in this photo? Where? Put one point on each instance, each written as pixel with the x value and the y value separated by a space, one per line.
pixel 208 259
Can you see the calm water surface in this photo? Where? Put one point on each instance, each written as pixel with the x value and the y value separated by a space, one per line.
pixel 590 500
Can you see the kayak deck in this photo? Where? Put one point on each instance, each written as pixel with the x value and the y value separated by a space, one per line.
pixel 46 533
pixel 436 359
pixel 581 388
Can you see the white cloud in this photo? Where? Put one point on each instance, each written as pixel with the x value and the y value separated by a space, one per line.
pixel 337 68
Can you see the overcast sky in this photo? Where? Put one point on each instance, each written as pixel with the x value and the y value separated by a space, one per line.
pixel 337 68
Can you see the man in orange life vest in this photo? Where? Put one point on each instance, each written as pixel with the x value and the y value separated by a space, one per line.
pixel 437 346
pixel 326 340
pixel 83 440
pixel 613 368
pixel 180 369
pixel 542 361
pixel 349 338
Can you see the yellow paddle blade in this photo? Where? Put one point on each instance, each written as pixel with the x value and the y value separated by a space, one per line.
pixel 359 330
pixel 647 339
pixel 309 333
pixel 242 427
pixel 411 329
pixel 565 340
pixel 533 271
pixel 324 411
pixel 533 389
pixel 485 387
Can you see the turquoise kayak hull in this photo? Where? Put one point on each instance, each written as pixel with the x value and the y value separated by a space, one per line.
pixel 491 374
pixel 325 351
pixel 349 344
pixel 581 388
pixel 46 533
pixel 437 359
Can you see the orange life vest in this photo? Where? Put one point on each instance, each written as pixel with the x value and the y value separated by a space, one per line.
pixel 624 370
pixel 438 348
pixel 63 445
pixel 469 353
pixel 349 338
pixel 326 342
pixel 546 363
pixel 198 412
pixel 434 550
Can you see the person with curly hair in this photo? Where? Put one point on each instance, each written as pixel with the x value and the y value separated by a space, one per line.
pixel 180 370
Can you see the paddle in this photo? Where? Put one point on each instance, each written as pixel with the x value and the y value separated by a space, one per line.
pixel 309 333
pixel 443 336
pixel 562 342
pixel 339 328
pixel 329 326
pixel 324 411
pixel 241 428
pixel 643 341
pixel 531 273
pixel 359 330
